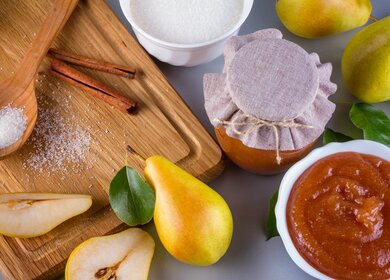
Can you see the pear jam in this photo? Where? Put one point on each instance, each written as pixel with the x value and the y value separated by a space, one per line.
pixel 338 216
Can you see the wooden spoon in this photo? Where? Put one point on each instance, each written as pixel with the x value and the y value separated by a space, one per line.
pixel 18 91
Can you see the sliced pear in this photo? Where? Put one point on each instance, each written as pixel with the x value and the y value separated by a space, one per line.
pixel 26 215
pixel 122 256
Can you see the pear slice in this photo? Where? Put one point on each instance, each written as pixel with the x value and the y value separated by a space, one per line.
pixel 26 215
pixel 122 256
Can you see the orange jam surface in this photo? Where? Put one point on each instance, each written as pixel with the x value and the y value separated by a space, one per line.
pixel 338 216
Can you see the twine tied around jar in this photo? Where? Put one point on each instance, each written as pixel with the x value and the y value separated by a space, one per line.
pixel 257 123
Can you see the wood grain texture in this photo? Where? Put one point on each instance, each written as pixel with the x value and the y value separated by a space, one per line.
pixel 164 125
pixel 19 89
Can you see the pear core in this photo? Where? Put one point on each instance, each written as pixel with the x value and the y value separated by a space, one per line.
pixel 26 215
pixel 121 256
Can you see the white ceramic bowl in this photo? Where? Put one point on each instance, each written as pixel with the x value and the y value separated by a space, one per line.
pixel 360 146
pixel 184 54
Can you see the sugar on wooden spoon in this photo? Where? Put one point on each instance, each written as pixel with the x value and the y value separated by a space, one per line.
pixel 17 93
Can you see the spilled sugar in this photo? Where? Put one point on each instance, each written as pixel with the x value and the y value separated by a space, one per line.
pixel 186 22
pixel 59 143
pixel 13 123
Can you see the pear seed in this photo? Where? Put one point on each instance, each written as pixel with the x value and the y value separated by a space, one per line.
pixel 106 274
pixel 19 204
pixel 101 272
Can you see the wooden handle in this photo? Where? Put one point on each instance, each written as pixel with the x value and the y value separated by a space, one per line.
pixel 56 19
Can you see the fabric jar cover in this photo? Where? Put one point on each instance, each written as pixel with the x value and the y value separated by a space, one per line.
pixel 272 94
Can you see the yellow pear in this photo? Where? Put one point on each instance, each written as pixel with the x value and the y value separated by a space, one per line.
pixel 193 221
pixel 122 256
pixel 318 18
pixel 26 215
pixel 366 63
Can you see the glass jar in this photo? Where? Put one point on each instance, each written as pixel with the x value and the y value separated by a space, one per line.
pixel 270 104
pixel 256 160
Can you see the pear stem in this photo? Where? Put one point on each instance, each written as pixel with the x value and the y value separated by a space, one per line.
pixel 127 158
pixel 374 19
pixel 137 155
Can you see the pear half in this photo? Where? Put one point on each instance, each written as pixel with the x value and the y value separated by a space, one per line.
pixel 26 215
pixel 122 256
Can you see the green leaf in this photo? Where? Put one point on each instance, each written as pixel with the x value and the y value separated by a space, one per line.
pixel 333 136
pixel 373 121
pixel 131 198
pixel 270 229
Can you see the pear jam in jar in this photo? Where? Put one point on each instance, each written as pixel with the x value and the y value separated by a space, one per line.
pixel 270 104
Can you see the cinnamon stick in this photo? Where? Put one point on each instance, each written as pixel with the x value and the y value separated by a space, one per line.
pixel 93 87
pixel 123 71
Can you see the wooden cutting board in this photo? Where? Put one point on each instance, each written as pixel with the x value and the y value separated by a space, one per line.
pixel 164 125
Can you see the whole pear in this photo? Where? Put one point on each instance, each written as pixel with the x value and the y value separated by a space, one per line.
pixel 318 18
pixel 193 221
pixel 366 63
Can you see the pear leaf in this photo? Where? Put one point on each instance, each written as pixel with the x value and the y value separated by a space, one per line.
pixel 333 136
pixel 131 198
pixel 270 228
pixel 373 121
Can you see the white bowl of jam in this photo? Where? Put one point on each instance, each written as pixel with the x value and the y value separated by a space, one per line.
pixel 333 211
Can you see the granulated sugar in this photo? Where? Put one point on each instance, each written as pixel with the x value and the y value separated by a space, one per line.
pixel 13 123
pixel 59 143
pixel 186 22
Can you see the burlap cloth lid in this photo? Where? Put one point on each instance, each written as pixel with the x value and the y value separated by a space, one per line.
pixel 272 94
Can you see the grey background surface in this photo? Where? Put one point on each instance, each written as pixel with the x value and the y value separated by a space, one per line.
pixel 250 256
